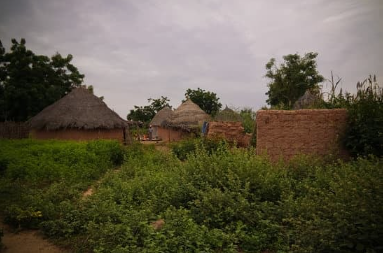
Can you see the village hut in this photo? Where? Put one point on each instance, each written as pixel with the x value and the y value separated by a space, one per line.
pixel 228 115
pixel 79 115
pixel 308 100
pixel 158 123
pixel 186 119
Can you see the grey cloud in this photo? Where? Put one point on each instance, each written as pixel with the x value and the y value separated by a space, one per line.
pixel 133 50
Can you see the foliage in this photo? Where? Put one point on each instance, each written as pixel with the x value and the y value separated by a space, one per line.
pixel 146 113
pixel 248 119
pixel 223 200
pixel 206 100
pixel 38 175
pixel 364 135
pixel 182 149
pixel 233 200
pixel 30 82
pixel 291 79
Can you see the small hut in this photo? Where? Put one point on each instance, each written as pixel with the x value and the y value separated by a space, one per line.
pixel 228 114
pixel 79 115
pixel 158 123
pixel 186 119
pixel 308 100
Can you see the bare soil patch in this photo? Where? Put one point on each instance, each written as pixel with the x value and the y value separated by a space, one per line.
pixel 28 241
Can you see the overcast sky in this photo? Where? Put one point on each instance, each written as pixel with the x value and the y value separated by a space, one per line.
pixel 132 50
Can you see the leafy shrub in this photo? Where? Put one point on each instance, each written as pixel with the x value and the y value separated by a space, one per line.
pixel 364 135
pixel 39 176
pixel 184 148
pixel 222 200
pixel 365 131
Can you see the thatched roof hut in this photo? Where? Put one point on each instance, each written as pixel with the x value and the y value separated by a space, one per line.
pixel 188 115
pixel 79 109
pixel 306 101
pixel 228 115
pixel 162 116
pixel 79 112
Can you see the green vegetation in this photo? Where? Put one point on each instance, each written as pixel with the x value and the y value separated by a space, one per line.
pixel 206 100
pixel 38 177
pixel 290 80
pixel 219 200
pixel 30 82
pixel 364 135
pixel 146 113
pixel 184 148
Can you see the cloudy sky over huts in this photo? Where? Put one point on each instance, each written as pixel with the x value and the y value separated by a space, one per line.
pixel 131 50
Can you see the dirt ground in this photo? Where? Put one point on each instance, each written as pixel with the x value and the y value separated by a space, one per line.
pixel 29 241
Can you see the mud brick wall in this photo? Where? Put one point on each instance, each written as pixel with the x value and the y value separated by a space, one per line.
pixel 284 134
pixel 231 131
pixel 13 130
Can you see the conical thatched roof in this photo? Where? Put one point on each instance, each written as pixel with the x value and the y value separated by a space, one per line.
pixel 228 114
pixel 188 115
pixel 161 117
pixel 79 109
pixel 306 101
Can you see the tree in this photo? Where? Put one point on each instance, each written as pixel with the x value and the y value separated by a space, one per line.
pixel 147 112
pixel 248 119
pixel 291 79
pixel 30 82
pixel 206 100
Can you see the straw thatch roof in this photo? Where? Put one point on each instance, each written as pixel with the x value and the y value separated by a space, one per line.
pixel 188 115
pixel 161 117
pixel 79 109
pixel 228 115
pixel 306 101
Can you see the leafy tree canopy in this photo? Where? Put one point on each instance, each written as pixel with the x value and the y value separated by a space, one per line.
pixel 30 82
pixel 147 112
pixel 206 100
pixel 248 119
pixel 291 79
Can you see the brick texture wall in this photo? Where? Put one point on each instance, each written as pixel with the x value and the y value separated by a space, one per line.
pixel 288 133
pixel 231 131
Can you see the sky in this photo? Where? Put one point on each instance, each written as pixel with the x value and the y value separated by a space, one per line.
pixel 132 50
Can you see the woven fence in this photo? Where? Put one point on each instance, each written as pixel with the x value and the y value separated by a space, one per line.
pixel 14 130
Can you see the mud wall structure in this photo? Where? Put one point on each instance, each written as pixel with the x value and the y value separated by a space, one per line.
pixel 284 134
pixel 79 134
pixel 231 131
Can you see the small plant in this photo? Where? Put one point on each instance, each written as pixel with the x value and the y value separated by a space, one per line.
pixel 364 135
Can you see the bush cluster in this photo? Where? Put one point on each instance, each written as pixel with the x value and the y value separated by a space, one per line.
pixel 221 200
pixel 364 135
pixel 37 176
pixel 182 149
pixel 229 200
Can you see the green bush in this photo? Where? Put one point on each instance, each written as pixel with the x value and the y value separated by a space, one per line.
pixel 37 177
pixel 231 200
pixel 364 135
pixel 185 148
pixel 219 200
